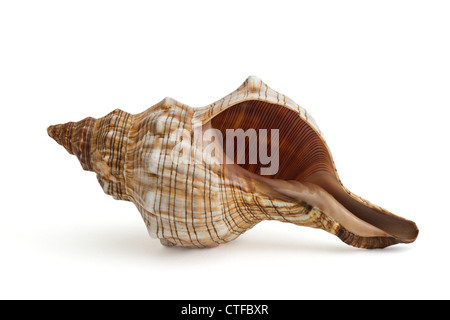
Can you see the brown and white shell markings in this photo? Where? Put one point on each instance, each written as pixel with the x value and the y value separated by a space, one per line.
pixel 202 202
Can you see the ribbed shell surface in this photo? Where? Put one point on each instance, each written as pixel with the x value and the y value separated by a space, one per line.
pixel 154 160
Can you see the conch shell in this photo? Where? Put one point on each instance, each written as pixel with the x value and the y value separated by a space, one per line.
pixel 196 194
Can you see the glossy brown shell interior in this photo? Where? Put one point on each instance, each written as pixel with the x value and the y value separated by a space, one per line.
pixel 304 157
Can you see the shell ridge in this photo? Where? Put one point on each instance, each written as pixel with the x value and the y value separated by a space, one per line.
pixel 126 155
pixel 164 158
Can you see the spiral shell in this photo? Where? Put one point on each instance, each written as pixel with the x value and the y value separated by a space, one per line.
pixel 192 192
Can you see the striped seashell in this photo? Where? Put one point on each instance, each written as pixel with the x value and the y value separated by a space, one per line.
pixel 192 192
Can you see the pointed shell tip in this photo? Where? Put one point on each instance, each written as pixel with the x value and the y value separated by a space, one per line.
pixel 253 83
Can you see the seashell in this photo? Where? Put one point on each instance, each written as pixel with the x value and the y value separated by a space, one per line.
pixel 196 178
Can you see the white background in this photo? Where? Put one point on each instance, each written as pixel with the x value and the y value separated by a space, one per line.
pixel 374 74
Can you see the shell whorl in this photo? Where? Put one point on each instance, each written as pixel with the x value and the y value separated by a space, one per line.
pixel 109 150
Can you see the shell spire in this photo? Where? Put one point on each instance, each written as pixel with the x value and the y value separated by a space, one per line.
pixel 76 138
pixel 100 145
